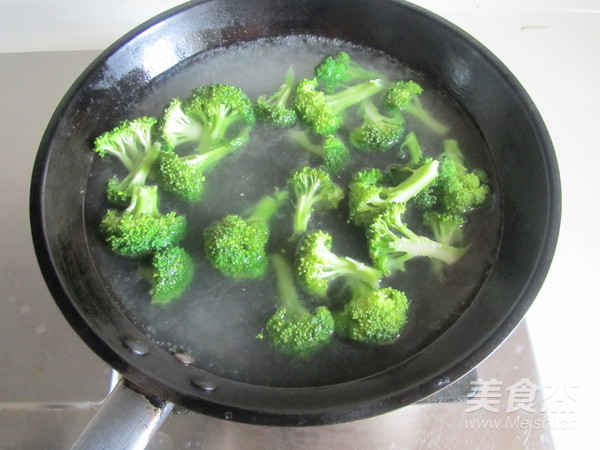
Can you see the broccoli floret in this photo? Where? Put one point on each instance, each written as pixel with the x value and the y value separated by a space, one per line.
pixel 373 316
pixel 218 107
pixel 312 189
pixel 368 195
pixel 277 109
pixel 331 149
pixel 177 128
pixel 141 229
pixel 317 266
pixel 236 245
pixel 184 176
pixel 392 243
pixel 295 330
pixel 377 132
pixel 447 228
pixel 403 96
pixel 172 273
pixel 456 191
pixel 321 112
pixel 133 143
pixel 340 69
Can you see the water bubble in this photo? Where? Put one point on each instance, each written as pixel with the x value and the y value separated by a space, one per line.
pixel 228 415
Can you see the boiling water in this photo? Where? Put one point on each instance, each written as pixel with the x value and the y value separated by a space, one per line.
pixel 217 320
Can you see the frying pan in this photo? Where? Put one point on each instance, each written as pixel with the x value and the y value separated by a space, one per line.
pixel 65 172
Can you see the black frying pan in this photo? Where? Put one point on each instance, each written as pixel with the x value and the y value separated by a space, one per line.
pixel 64 178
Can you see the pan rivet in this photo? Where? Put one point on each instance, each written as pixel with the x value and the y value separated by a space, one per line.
pixel 204 384
pixel 136 347
pixel 185 358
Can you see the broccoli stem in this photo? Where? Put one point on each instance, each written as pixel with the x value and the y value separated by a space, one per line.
pixel 354 94
pixel 415 109
pixel 288 295
pixel 414 184
pixel 304 208
pixel 350 268
pixel 267 207
pixel 412 146
pixel 422 246
pixel 452 150
pixel 218 127
pixel 414 245
pixel 208 158
pixel 301 138
pixel 140 173
pixel 282 95
pixel 144 200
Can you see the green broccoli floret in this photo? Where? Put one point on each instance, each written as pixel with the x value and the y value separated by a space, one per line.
pixel 321 112
pixel 236 245
pixel 340 69
pixel 172 273
pixel 331 149
pixel 176 128
pixel 317 266
pixel 141 229
pixel 369 196
pixel 295 330
pixel 377 131
pixel 403 96
pixel 184 176
pixel 392 243
pixel 373 316
pixel 277 109
pixel 456 191
pixel 312 189
pixel 447 228
pixel 218 107
pixel 133 143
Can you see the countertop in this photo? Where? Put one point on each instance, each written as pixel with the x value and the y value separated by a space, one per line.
pixel 550 46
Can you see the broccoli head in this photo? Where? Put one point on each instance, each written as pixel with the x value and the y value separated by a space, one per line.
pixel 341 69
pixel 133 143
pixel 331 149
pixel 172 273
pixel 377 132
pixel 277 109
pixel 293 329
pixel 176 128
pixel 236 246
pixel 373 316
pixel 321 112
pixel 141 229
pixel 219 107
pixel 403 96
pixel 311 189
pixel 392 243
pixel 455 191
pixel 317 266
pixel 369 196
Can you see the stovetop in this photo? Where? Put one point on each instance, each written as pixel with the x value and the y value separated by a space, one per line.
pixel 51 383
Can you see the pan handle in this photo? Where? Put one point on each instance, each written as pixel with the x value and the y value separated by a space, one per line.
pixel 126 420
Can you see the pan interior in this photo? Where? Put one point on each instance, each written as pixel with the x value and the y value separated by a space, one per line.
pixel 217 320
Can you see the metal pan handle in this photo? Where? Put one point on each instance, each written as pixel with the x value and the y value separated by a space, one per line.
pixel 126 420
